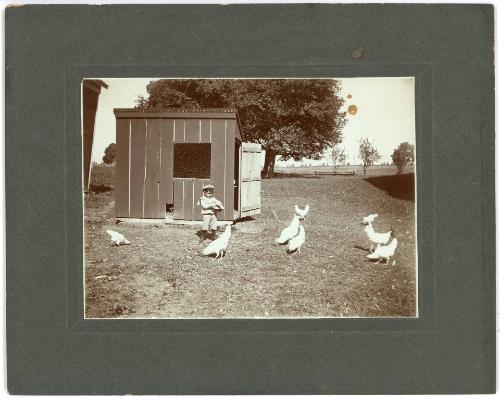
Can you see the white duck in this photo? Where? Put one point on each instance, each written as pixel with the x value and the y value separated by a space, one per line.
pixel 377 238
pixel 302 212
pixel 117 238
pixel 370 218
pixel 384 251
pixel 290 231
pixel 296 242
pixel 218 247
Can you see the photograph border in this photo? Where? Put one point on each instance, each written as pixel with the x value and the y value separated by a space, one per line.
pixel 76 305
pixel 449 348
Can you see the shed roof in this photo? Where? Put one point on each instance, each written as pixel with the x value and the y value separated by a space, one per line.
pixel 168 113
pixel 182 113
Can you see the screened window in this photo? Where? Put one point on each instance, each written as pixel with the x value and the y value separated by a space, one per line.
pixel 192 160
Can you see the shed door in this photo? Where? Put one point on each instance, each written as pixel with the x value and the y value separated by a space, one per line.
pixel 250 179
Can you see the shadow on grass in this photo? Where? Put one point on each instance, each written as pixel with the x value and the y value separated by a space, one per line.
pixel 397 186
pixel 243 220
pixel 362 248
pixel 288 175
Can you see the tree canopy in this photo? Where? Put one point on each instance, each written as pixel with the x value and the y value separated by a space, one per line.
pixel 293 118
pixel 403 155
pixel 109 154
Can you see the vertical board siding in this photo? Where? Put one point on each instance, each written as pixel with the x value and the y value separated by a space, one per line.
pixel 145 158
pixel 198 191
pixel 205 131
pixel 179 186
pixel 179 130
pixel 256 168
pixel 137 167
pixel 237 133
pixel 229 170
pixel 217 165
pixel 178 198
pixel 152 163
pixel 166 162
pixel 256 176
pixel 237 173
pixel 88 139
pixel 250 179
pixel 90 100
pixel 188 199
pixel 192 131
pixel 122 168
pixel 251 196
pixel 245 175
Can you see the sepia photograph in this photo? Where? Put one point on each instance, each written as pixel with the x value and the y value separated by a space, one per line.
pixel 249 198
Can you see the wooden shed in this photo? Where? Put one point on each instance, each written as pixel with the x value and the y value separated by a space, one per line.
pixel 164 157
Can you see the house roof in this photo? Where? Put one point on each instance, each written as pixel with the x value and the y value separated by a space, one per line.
pixel 95 84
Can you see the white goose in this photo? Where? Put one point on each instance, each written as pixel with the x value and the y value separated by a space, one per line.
pixel 117 238
pixel 290 231
pixel 377 238
pixel 301 212
pixel 296 242
pixel 370 218
pixel 384 251
pixel 219 246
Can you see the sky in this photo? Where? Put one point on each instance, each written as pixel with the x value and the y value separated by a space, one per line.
pixel 385 114
pixel 121 93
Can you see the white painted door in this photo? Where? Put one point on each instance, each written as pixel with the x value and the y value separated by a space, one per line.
pixel 250 179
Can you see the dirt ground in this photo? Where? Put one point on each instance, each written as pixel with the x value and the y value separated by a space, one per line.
pixel 162 274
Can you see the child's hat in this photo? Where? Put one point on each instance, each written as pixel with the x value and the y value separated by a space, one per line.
pixel 208 187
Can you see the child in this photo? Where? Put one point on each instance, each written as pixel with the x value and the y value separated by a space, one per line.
pixel 209 206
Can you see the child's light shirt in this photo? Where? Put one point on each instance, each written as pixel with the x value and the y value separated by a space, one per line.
pixel 208 203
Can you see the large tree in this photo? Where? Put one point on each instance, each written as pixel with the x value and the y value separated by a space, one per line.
pixel 368 153
pixel 403 155
pixel 293 118
pixel 109 154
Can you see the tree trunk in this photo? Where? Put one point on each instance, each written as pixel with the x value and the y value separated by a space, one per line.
pixel 269 162
pixel 364 169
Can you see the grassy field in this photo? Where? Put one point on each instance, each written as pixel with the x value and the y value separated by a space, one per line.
pixel 161 274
